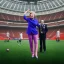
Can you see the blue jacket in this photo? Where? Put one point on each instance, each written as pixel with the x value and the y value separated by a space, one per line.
pixel 32 23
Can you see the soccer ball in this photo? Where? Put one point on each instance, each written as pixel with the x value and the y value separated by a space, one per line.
pixel 7 50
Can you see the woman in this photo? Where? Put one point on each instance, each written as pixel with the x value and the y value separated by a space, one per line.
pixel 32 32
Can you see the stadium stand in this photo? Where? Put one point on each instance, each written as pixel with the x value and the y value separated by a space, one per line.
pixel 11 17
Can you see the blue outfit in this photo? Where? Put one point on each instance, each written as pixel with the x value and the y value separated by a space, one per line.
pixel 32 23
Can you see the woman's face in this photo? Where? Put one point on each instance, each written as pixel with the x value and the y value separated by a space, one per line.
pixel 31 15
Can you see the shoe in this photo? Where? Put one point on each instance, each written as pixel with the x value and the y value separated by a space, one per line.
pixel 40 50
pixel 44 51
pixel 37 57
pixel 32 56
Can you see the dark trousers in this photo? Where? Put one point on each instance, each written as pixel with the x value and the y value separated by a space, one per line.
pixel 42 42
pixel 57 39
pixel 7 40
pixel 19 41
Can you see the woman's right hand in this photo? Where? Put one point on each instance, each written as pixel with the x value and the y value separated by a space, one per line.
pixel 28 11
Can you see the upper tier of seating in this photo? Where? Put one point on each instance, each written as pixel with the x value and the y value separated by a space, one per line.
pixel 49 17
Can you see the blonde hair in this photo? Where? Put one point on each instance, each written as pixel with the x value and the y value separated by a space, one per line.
pixel 32 12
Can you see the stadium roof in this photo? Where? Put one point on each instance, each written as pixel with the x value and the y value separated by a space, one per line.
pixel 33 5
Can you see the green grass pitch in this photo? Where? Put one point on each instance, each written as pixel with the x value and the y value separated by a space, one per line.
pixel 20 54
